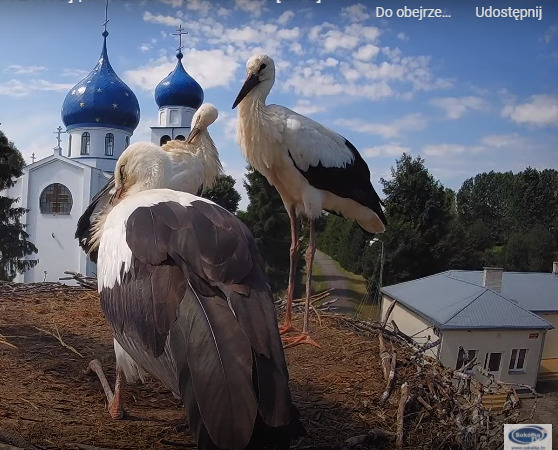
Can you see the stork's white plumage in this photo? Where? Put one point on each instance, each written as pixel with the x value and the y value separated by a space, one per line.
pixel 312 168
pixel 194 164
pixel 184 291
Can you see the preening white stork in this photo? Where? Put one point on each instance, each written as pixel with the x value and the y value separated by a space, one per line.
pixel 195 165
pixel 184 290
pixel 312 168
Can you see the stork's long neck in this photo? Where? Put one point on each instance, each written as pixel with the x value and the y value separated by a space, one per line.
pixel 254 132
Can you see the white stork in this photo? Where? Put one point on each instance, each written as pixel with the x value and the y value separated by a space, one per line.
pixel 195 165
pixel 312 168
pixel 184 290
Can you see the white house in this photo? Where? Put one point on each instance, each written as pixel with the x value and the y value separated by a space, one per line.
pixel 477 314
pixel 100 114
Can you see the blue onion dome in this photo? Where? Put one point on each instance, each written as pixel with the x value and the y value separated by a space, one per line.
pixel 101 99
pixel 179 89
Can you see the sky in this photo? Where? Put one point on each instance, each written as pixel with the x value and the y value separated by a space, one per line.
pixel 468 94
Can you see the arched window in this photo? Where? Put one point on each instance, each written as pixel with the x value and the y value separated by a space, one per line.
pixel 85 143
pixel 180 138
pixel 109 144
pixel 69 145
pixel 127 141
pixel 55 199
pixel 166 138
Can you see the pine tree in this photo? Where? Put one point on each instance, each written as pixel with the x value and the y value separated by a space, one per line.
pixel 269 222
pixel 223 193
pixel 419 213
pixel 14 243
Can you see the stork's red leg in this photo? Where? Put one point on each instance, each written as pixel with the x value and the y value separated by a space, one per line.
pixel 305 338
pixel 116 409
pixel 288 324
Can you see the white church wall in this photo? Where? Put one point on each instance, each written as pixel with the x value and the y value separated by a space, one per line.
pixel 53 234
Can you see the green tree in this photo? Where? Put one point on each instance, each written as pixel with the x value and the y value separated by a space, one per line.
pixel 533 251
pixel 223 193
pixel 266 217
pixel 14 243
pixel 484 201
pixel 419 213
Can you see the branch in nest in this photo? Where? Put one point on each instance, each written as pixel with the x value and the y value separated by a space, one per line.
pixel 401 415
pixel 83 280
pixel 59 339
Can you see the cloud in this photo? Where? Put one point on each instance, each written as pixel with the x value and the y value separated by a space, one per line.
pixel 449 149
pixel 355 13
pixel 411 122
pixel 74 73
pixel 367 52
pixel 173 3
pixel 254 7
pixel 502 140
pixel 210 68
pixel 391 149
pixel 541 110
pixel 549 34
pixel 456 107
pixel 285 17
pixel 402 37
pixel 161 19
pixel 18 88
pixel 24 70
pixel 489 143
pixel 144 48
pixel 307 107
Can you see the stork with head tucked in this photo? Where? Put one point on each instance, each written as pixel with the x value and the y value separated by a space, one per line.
pixel 195 165
pixel 184 290
pixel 312 168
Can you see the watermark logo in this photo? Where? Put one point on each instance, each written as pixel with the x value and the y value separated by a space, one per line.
pixel 528 436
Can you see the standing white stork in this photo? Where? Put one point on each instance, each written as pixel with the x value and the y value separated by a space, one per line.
pixel 312 168
pixel 195 165
pixel 183 288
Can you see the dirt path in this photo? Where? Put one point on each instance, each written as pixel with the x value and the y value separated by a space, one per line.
pixel 336 280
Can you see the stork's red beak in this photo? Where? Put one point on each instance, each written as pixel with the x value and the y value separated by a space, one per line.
pixel 251 82
pixel 193 133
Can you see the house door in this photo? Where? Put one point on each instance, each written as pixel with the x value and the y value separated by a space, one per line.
pixel 492 363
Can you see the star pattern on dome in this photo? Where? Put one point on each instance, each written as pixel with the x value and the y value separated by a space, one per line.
pixel 101 98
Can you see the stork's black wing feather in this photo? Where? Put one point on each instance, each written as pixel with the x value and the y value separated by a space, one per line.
pixel 195 305
pixel 350 181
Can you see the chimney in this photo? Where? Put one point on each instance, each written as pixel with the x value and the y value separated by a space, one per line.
pixel 555 268
pixel 492 278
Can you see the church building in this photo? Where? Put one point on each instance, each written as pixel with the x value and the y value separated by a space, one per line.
pixel 100 114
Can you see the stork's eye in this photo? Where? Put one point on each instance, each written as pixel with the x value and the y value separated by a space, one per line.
pixel 263 66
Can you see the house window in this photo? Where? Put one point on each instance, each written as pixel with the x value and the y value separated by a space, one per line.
pixel 127 141
pixel 109 144
pixel 180 137
pixel 465 357
pixel 166 138
pixel 85 143
pixel 492 362
pixel 69 145
pixel 55 199
pixel 517 360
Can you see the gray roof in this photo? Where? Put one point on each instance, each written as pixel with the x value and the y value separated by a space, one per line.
pixel 451 303
pixel 535 291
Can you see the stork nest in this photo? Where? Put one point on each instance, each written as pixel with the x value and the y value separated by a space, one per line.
pixel 49 332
